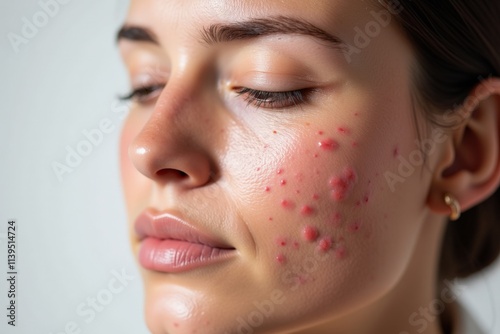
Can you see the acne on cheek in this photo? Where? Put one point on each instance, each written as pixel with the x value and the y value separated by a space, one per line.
pixel 329 236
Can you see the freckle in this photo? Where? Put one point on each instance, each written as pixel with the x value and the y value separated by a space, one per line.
pixel 281 242
pixel 306 210
pixel 325 244
pixel 315 197
pixel 283 182
pixel 328 144
pixel 308 124
pixel 356 114
pixel 321 133
pixel 287 204
pixel 354 227
pixel 310 233
pixel 280 258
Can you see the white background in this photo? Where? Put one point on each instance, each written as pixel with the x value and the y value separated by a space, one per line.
pixel 71 233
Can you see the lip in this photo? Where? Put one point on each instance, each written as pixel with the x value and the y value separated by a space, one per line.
pixel 171 245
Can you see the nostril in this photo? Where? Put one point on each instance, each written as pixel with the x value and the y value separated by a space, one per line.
pixel 171 173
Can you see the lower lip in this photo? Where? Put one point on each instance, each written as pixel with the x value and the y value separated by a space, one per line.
pixel 173 256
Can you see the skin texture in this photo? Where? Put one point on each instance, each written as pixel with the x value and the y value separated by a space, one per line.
pixel 299 191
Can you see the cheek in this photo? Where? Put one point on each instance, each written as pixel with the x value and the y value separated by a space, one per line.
pixel 324 207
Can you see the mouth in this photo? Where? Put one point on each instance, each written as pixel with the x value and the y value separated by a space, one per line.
pixel 171 245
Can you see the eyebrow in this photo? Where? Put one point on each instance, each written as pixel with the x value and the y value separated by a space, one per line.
pixel 223 33
pixel 229 32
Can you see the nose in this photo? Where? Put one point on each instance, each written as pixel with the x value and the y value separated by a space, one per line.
pixel 172 147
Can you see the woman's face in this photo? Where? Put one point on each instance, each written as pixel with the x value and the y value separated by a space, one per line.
pixel 263 147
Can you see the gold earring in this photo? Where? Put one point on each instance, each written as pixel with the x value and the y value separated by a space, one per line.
pixel 454 206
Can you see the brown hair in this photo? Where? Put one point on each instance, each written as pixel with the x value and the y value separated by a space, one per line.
pixel 456 44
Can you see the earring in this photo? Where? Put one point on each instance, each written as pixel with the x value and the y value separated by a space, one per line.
pixel 454 206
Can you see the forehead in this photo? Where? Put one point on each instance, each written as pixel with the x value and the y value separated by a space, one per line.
pixel 193 14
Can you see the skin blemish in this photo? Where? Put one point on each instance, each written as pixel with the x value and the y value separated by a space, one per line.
pixel 343 130
pixel 336 220
pixel 283 182
pixel 310 233
pixel 280 171
pixel 270 219
pixel 354 144
pixel 316 155
pixel 328 145
pixel 395 152
pixel 366 199
pixel 354 227
pixel 280 258
pixel 340 252
pixel 320 132
pixel 267 189
pixel 297 191
pixel 296 245
pixel 315 197
pixel 287 204
pixel 325 244
pixel 275 132
pixel 306 210
pixel 281 242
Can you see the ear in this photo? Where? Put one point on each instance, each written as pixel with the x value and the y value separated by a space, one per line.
pixel 469 165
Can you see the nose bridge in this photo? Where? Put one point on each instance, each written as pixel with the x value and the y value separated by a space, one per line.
pixel 172 146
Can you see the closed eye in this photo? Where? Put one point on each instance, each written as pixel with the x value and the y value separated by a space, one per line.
pixel 273 100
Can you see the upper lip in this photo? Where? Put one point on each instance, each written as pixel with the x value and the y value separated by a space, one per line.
pixel 164 225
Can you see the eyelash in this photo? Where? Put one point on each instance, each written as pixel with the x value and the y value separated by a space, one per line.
pixel 272 100
pixel 143 95
pixel 258 98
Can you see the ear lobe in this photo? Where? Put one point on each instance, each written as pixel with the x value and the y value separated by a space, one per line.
pixel 469 167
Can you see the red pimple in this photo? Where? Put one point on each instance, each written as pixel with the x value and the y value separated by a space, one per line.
pixel 356 114
pixel 343 130
pixel 283 182
pixel 315 197
pixel 337 182
pixel 320 132
pixel 354 227
pixel 306 210
pixel 296 245
pixel 270 219
pixel 350 175
pixel 395 152
pixel 258 169
pixel 267 189
pixel 281 242
pixel 340 252
pixel 325 244
pixel 279 171
pixel 310 233
pixel 366 199
pixel 316 155
pixel 287 204
pixel 280 258
pixel 275 132
pixel 328 144
pixel 354 144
